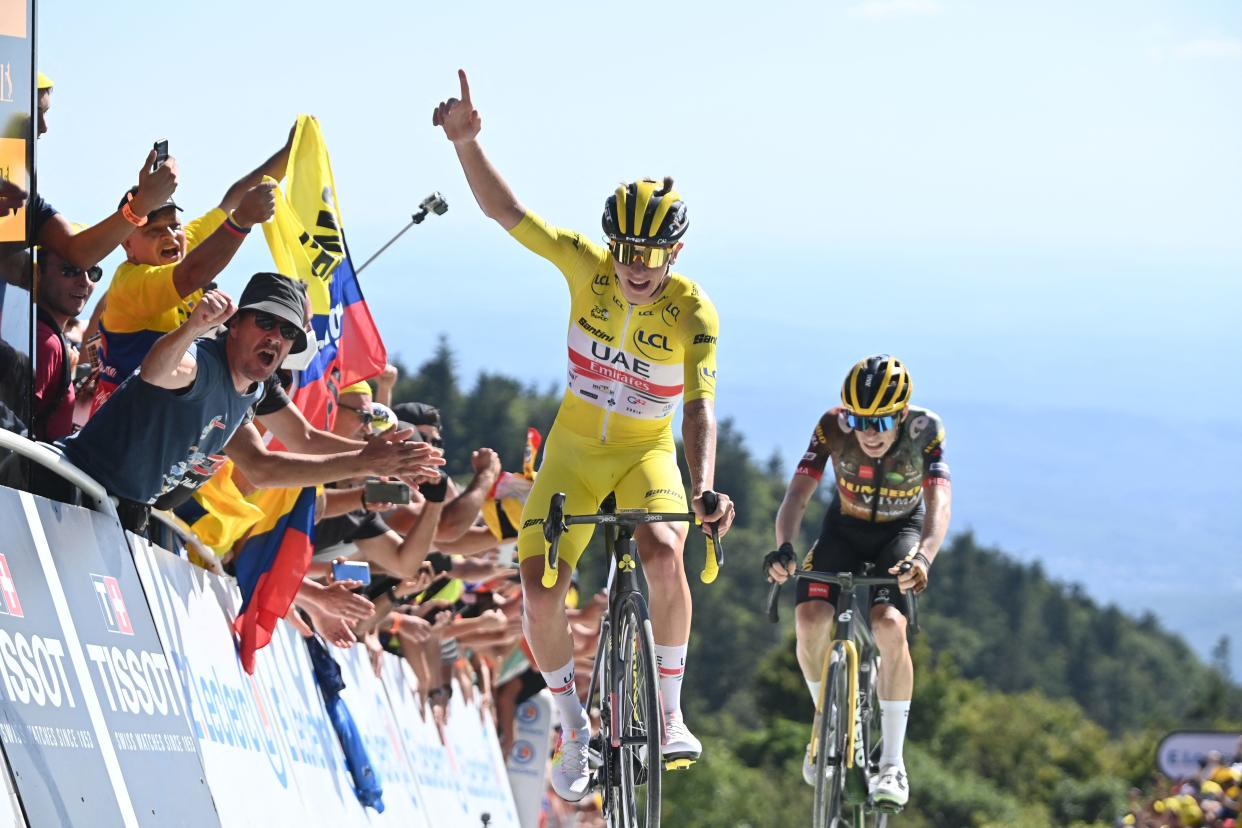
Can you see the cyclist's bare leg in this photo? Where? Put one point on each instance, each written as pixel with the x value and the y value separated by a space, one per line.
pixel 895 687
pixel 543 615
pixel 813 624
pixel 660 547
pixel 896 681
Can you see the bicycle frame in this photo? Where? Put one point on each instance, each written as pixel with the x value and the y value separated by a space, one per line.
pixel 856 642
pixel 626 604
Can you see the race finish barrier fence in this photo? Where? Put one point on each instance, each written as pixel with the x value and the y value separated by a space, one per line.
pixel 123 701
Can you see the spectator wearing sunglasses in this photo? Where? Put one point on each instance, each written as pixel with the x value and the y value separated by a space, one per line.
pixel 891 507
pixel 61 292
pixel 169 265
pixel 172 423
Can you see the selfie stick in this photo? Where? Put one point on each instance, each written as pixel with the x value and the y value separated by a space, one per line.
pixel 433 203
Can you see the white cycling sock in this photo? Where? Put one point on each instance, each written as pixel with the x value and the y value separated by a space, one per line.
pixel 813 686
pixel 565 697
pixel 893 718
pixel 672 666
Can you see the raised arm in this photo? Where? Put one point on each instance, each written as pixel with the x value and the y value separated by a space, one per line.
pixel 403 556
pixel 167 364
pixel 274 166
pixel 202 264
pixel 89 247
pixel 460 512
pixel 461 123
pixel 268 469
pixel 292 428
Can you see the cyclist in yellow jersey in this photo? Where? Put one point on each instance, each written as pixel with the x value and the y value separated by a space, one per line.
pixel 640 336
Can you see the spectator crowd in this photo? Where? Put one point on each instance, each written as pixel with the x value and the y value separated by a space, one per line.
pixel 1211 798
pixel 168 383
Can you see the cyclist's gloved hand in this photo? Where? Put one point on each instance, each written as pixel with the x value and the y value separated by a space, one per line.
pixel 913 576
pixel 779 565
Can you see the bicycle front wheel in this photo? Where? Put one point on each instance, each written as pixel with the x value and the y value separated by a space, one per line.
pixel 639 721
pixel 832 741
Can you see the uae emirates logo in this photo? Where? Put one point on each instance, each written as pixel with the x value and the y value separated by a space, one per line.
pixel 112 603
pixel 11 605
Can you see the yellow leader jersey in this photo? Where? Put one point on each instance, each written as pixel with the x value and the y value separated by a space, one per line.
pixel 628 364
pixel 143 305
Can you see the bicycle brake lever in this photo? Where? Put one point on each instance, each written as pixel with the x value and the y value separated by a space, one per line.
pixel 553 527
pixel 715 552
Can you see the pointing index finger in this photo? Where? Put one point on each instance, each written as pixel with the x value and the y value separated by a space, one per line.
pixel 465 88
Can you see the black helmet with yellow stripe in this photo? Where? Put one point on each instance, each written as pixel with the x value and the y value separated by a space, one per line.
pixel 646 212
pixel 876 386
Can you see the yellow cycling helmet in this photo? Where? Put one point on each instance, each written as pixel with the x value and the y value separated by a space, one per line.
pixel 876 387
pixel 646 212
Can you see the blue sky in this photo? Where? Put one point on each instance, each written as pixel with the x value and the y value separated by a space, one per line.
pixel 996 184
pixel 1036 205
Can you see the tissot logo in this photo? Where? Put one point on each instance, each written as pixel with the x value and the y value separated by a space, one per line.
pixel 112 604
pixel 11 604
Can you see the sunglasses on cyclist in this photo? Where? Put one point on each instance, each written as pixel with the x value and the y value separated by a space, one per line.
pixel 365 416
pixel 627 254
pixel 859 422
pixel 93 273
pixel 266 321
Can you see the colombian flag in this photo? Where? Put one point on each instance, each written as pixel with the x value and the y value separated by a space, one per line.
pixel 218 513
pixel 307 243
pixel 272 563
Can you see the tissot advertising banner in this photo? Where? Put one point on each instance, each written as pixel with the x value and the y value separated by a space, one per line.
pixel 49 738
pixel 135 682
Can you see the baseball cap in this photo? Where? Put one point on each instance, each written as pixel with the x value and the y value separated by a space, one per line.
pixel 129 194
pixel 382 418
pixel 417 413
pixel 280 296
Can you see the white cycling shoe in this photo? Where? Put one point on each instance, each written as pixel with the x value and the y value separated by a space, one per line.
pixel 571 775
pixel 678 741
pixel 808 767
pixel 890 788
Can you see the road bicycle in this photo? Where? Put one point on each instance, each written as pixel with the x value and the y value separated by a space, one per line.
pixel 625 672
pixel 845 740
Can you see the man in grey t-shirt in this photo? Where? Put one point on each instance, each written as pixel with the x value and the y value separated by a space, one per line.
pixel 192 400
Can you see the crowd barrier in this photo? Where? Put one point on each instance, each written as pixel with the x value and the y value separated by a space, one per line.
pixel 124 702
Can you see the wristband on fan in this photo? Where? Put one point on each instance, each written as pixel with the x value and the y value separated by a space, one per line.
pixel 129 215
pixel 235 228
